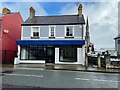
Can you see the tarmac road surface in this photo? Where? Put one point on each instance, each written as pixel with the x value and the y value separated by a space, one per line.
pixel 28 78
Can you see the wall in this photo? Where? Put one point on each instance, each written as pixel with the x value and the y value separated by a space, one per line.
pixel 12 23
pixel 44 32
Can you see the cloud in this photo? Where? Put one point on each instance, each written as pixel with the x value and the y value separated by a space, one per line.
pixel 23 8
pixel 103 21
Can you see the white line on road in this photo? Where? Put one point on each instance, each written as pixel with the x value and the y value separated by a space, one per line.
pixel 96 80
pixel 24 75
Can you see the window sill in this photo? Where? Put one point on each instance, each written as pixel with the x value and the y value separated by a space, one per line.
pixel 51 37
pixel 68 61
pixel 69 37
pixel 35 37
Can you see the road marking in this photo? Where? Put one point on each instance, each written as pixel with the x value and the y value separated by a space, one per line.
pixel 24 75
pixel 96 80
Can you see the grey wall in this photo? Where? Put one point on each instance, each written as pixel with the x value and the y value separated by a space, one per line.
pixel 44 32
pixel 26 32
pixel 77 31
pixel 60 31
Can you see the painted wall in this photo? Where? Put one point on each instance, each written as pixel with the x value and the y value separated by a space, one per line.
pixel 44 32
pixel 12 23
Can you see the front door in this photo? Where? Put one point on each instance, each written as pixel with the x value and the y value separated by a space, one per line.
pixel 50 55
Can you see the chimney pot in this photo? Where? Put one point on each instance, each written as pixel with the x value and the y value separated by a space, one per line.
pixel 80 10
pixel 6 11
pixel 32 12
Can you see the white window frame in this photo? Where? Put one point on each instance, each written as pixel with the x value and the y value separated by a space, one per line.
pixel 66 31
pixel 32 30
pixel 50 31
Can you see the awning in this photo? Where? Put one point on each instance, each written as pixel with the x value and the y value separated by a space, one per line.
pixel 50 42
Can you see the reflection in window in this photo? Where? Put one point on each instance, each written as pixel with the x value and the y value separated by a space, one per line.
pixel 68 54
pixel 69 31
pixel 33 52
pixel 24 52
pixel 118 41
pixel 35 31
pixel 52 31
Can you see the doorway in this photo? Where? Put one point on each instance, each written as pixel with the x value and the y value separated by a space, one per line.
pixel 50 55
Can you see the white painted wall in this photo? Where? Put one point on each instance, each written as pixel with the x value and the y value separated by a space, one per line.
pixel 56 55
pixel 80 55
pixel 17 59
pixel 32 61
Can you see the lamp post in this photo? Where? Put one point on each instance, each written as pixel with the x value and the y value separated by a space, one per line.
pixel 87 39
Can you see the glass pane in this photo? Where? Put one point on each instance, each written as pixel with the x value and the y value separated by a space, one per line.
pixel 35 29
pixel 69 31
pixel 68 54
pixel 118 41
pixel 52 31
pixel 37 54
pixel 35 33
pixel 24 52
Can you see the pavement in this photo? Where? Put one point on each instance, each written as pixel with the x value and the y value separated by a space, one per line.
pixel 70 67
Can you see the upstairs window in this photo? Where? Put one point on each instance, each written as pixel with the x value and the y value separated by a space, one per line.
pixel 52 31
pixel 69 31
pixel 35 32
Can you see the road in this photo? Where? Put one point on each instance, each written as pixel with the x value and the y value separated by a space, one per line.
pixel 58 79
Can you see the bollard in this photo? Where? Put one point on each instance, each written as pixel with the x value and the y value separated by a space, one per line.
pixel 99 61
pixel 107 60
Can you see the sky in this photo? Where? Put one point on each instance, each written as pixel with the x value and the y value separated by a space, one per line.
pixel 103 17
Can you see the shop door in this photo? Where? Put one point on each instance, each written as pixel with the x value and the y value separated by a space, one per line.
pixel 50 55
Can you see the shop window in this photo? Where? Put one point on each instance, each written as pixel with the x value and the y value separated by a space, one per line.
pixel 68 54
pixel 118 41
pixel 24 52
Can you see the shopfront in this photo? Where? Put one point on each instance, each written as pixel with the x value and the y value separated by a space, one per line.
pixel 61 51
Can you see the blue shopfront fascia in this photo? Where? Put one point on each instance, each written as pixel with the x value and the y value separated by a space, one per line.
pixel 50 42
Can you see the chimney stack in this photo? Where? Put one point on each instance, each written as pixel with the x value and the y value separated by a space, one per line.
pixel 32 12
pixel 6 11
pixel 80 10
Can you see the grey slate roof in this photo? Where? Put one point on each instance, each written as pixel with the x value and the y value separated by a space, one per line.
pixel 53 20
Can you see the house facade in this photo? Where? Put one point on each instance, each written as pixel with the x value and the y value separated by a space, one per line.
pixel 52 39
pixel 117 44
pixel 10 31
pixel 117 39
